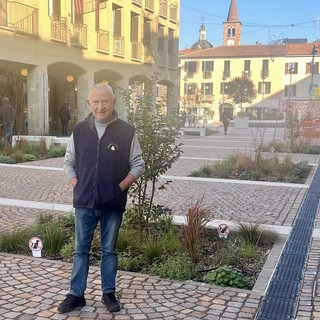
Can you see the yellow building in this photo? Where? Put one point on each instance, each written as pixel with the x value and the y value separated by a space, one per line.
pixel 279 72
pixel 63 47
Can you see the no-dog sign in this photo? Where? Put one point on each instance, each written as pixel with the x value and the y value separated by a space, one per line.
pixel 223 230
pixel 36 245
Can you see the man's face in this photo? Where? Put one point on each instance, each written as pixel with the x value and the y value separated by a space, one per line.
pixel 101 104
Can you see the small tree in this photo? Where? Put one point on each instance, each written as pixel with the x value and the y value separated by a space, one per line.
pixel 158 137
pixel 242 90
pixel 11 86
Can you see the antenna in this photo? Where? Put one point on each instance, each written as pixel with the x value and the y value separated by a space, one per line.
pixel 318 26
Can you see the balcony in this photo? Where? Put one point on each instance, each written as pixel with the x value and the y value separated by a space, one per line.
pixel 79 36
pixel 103 41
pixel 264 74
pixel 173 62
pixel 118 46
pixel 246 74
pixel 148 55
pixel 207 74
pixel 19 17
pixel 226 74
pixel 173 13
pixel 136 51
pixel 149 5
pixel 137 2
pixel 162 59
pixel 163 8
pixel 59 29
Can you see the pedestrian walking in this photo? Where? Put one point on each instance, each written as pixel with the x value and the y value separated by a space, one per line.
pixel 225 120
pixel 103 159
pixel 64 114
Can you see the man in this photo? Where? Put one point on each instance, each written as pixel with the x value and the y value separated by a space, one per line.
pixel 7 116
pixel 64 114
pixel 102 161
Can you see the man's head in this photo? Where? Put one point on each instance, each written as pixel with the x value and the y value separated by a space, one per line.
pixel 101 101
pixel 5 99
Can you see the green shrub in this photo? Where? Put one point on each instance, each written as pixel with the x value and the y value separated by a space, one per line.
pixel 57 151
pixel 179 267
pixel 7 159
pixel 67 250
pixel 54 236
pixel 129 262
pixel 227 276
pixel 15 241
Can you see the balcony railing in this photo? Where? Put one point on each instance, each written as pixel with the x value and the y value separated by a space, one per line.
pixel 207 74
pixel 149 4
pixel 246 74
pixel 264 74
pixel 148 55
pixel 136 51
pixel 20 17
pixel 173 12
pixel 79 36
pixel 118 46
pixel 103 41
pixel 59 30
pixel 163 8
pixel 226 74
pixel 162 58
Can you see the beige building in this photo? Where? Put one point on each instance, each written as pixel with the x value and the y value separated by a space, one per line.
pixel 63 47
pixel 281 72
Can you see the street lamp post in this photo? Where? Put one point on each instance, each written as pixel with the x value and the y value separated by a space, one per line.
pixel 313 52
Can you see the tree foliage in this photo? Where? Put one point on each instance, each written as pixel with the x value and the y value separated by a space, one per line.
pixel 158 137
pixel 242 90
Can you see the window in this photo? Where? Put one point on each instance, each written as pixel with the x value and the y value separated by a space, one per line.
pixel 161 37
pixel 225 88
pixel 291 68
pixel 190 68
pixel 247 65
pixel 207 66
pixel 171 42
pixel 315 68
pixel 226 70
pixel 265 64
pixel 134 27
pixel 264 87
pixel 207 88
pixel 117 21
pixel 189 88
pixel 290 91
pixel 231 32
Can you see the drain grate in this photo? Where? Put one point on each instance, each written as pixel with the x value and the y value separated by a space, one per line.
pixel 280 301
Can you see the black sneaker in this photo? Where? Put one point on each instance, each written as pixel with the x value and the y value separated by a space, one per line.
pixel 70 303
pixel 111 302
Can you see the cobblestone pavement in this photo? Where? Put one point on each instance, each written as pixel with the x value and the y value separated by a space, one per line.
pixel 31 288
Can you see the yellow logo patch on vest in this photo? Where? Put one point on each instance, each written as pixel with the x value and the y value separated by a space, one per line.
pixel 113 147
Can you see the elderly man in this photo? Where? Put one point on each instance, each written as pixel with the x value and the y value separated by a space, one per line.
pixel 102 161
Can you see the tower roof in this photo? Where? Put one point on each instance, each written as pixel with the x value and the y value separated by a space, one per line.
pixel 233 12
pixel 202 43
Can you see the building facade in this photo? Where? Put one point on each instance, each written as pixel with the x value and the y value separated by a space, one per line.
pixel 63 47
pixel 280 72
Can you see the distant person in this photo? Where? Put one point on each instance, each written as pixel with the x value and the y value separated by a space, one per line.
pixel 64 118
pixel 7 117
pixel 225 120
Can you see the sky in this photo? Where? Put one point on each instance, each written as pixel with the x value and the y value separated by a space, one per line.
pixel 263 21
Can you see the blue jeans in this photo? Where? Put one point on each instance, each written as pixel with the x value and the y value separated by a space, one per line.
pixel 86 221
